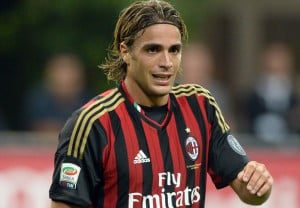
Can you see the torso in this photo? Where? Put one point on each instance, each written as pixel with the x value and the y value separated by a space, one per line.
pixel 156 165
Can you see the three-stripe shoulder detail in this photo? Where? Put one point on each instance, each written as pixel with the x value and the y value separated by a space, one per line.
pixel 194 89
pixel 86 119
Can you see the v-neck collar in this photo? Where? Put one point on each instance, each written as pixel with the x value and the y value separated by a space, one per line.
pixel 136 109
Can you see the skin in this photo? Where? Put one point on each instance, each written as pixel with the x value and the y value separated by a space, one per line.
pixel 153 62
pixel 253 184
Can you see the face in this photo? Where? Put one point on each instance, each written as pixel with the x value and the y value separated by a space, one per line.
pixel 152 63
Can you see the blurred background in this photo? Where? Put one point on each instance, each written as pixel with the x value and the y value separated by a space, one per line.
pixel 247 53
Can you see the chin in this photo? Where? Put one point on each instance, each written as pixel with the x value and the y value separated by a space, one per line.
pixel 162 90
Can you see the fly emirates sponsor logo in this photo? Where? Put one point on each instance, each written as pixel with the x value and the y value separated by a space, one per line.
pixel 164 199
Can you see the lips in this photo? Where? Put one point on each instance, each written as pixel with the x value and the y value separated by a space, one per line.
pixel 162 79
pixel 162 76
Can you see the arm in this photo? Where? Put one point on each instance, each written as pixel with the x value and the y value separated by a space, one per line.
pixel 55 204
pixel 77 190
pixel 253 184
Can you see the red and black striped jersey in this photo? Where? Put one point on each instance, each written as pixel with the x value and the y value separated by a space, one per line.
pixel 110 154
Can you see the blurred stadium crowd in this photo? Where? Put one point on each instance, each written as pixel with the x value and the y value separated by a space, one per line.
pixel 240 53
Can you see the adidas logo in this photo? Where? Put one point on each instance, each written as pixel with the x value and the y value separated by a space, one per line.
pixel 141 158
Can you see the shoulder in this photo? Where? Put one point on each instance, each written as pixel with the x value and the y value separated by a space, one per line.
pixel 187 90
pixel 96 108
pixel 87 119
pixel 101 104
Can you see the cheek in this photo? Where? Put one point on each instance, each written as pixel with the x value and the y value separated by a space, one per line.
pixel 177 68
pixel 145 66
pixel 139 70
pixel 179 57
pixel 177 61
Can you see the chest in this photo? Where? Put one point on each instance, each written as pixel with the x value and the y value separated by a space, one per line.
pixel 151 158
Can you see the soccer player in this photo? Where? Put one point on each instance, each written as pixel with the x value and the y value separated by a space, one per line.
pixel 147 143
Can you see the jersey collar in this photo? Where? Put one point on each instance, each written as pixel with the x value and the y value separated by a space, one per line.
pixel 137 109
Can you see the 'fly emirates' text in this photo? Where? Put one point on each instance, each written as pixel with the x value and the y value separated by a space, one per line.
pixel 165 199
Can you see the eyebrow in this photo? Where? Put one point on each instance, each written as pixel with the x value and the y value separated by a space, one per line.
pixel 178 46
pixel 149 45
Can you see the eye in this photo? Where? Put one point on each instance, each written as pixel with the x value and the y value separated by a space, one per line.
pixel 152 49
pixel 175 49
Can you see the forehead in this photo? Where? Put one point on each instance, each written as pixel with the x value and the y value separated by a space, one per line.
pixel 161 34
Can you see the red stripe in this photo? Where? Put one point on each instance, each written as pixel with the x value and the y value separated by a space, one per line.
pixel 155 155
pixel 109 165
pixel 106 92
pixel 132 146
pixel 179 165
pixel 89 103
pixel 192 123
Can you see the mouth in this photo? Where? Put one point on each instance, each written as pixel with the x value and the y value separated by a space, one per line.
pixel 162 79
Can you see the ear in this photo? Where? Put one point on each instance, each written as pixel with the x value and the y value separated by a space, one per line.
pixel 124 50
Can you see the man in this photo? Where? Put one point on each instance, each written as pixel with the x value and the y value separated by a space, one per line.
pixel 147 143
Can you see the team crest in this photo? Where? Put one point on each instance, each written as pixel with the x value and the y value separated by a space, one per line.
pixel 192 148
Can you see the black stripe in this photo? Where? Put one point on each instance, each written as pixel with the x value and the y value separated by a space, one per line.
pixel 147 167
pixel 192 100
pixel 167 158
pixel 181 126
pixel 83 117
pixel 90 118
pixel 99 140
pixel 121 160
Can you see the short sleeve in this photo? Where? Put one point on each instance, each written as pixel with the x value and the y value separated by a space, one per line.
pixel 77 176
pixel 226 156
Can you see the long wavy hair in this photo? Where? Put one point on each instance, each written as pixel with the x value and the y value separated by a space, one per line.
pixel 130 25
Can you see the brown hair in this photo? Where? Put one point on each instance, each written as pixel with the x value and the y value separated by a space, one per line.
pixel 131 22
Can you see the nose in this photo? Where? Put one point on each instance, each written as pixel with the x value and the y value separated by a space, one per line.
pixel 166 61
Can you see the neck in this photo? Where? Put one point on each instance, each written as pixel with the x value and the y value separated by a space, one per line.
pixel 141 97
